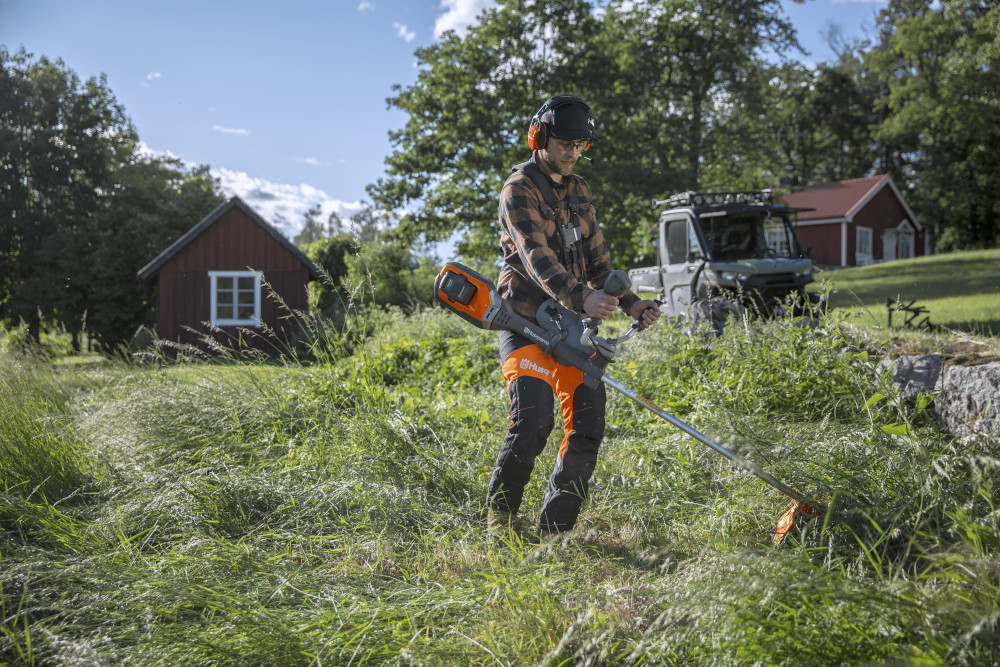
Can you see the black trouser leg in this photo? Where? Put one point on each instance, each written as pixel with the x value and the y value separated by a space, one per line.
pixel 531 422
pixel 532 378
pixel 583 418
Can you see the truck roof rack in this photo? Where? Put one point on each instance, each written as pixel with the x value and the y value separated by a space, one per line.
pixel 692 198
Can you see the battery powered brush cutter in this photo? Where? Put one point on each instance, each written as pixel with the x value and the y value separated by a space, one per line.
pixel 573 341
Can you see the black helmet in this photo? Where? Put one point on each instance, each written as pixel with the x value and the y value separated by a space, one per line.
pixel 563 117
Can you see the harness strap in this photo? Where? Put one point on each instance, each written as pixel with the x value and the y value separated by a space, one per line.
pixel 571 235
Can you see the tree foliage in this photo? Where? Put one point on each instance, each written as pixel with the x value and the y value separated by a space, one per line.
pixel 80 210
pixel 468 112
pixel 821 121
pixel 313 229
pixel 152 203
pixel 330 297
pixel 699 94
pixel 938 61
pixel 669 81
pixel 61 141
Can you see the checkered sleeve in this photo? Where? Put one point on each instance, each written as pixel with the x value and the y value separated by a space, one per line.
pixel 598 259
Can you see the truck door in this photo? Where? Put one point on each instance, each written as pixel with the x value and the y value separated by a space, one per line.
pixel 682 255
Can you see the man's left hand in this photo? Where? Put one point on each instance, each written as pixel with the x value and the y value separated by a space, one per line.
pixel 647 310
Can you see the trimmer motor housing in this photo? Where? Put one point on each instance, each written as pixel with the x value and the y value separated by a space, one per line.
pixel 473 297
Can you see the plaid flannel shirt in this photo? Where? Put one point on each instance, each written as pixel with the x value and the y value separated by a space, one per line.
pixel 535 266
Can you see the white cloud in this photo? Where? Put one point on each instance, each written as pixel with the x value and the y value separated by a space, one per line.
pixel 145 151
pixel 403 31
pixel 314 162
pixel 283 205
pixel 460 15
pixel 152 76
pixel 366 7
pixel 231 130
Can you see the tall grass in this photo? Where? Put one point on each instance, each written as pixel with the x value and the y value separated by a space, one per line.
pixel 332 512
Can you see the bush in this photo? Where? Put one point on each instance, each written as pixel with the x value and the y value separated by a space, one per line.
pixel 53 341
pixel 388 274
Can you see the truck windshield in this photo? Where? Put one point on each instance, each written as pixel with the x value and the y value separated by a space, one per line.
pixel 738 237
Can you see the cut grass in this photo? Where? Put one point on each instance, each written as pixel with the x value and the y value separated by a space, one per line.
pixel 241 514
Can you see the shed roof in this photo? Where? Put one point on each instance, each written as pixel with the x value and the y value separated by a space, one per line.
pixel 834 200
pixel 841 200
pixel 150 270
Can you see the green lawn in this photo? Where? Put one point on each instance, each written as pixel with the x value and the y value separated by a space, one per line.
pixel 961 290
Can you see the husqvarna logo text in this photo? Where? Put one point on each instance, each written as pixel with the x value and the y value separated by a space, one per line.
pixel 528 363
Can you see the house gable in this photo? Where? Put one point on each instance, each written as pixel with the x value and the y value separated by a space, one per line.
pixel 887 182
pixel 150 271
pixel 231 270
pixel 856 221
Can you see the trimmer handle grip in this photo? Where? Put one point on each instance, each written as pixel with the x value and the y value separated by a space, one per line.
pixel 638 324
pixel 617 283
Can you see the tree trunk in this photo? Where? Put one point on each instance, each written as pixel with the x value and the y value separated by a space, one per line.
pixel 694 154
pixel 34 328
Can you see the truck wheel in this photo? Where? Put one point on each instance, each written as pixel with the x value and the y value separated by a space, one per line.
pixel 808 304
pixel 715 311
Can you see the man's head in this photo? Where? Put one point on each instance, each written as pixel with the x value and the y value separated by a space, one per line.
pixel 561 130
pixel 563 117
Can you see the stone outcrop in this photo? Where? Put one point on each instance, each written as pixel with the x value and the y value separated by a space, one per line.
pixel 968 397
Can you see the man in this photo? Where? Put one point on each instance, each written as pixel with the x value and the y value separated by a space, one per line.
pixel 553 248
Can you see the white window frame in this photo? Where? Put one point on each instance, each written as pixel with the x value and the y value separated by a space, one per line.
pixel 777 239
pixel 235 275
pixel 905 240
pixel 862 258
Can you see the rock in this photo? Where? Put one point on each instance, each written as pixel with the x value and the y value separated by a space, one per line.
pixel 970 398
pixel 916 374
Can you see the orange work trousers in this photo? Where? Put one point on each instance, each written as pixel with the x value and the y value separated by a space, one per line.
pixel 533 380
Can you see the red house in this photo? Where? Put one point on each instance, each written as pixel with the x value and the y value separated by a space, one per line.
pixel 857 222
pixel 215 275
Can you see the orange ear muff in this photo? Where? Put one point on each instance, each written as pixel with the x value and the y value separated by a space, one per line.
pixel 533 139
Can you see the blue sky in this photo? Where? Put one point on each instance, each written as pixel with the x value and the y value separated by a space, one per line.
pixel 285 101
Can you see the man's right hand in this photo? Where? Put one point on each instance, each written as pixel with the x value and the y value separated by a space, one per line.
pixel 599 304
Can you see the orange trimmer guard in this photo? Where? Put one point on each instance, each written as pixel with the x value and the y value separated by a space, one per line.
pixel 786 523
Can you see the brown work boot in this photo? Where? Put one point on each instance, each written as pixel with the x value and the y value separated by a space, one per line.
pixel 499 520
pixel 507 525
pixel 550 536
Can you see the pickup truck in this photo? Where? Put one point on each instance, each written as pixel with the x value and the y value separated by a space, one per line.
pixel 726 253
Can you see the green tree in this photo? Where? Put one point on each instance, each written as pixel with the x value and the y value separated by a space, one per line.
pixel 689 71
pixel 668 80
pixel 821 120
pixel 152 203
pixel 331 297
pixel 368 225
pixel 389 274
pixel 942 91
pixel 61 141
pixel 313 229
pixel 469 111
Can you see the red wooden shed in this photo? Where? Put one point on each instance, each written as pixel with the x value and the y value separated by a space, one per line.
pixel 859 221
pixel 215 275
